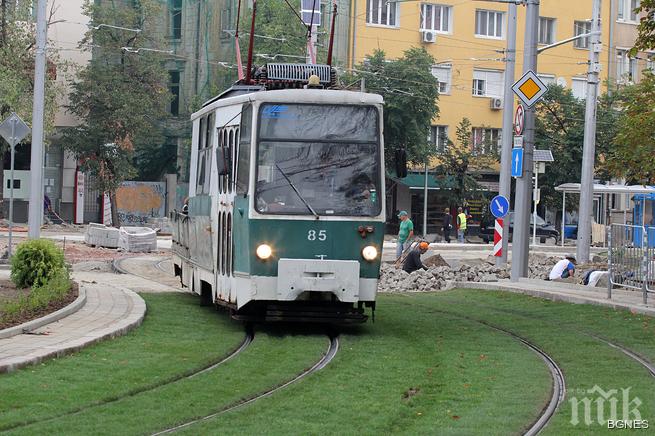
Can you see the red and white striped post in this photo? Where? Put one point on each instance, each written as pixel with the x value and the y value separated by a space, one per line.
pixel 498 237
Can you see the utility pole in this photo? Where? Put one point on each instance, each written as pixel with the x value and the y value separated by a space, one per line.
pixel 521 241
pixel 589 147
pixel 505 184
pixel 35 212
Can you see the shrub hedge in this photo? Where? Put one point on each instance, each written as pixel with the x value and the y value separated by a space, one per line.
pixel 36 262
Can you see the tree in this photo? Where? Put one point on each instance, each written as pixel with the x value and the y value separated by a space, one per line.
pixel 121 96
pixel 17 54
pixel 459 166
pixel 633 156
pixel 560 128
pixel 410 93
pixel 646 29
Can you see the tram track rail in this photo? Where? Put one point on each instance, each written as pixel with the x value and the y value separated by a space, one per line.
pixel 643 361
pixel 245 343
pixel 330 353
pixel 558 387
pixel 117 266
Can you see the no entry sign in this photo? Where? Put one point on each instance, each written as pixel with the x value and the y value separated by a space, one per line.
pixel 519 120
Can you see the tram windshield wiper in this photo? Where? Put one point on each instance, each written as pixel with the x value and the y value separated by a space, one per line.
pixel 309 207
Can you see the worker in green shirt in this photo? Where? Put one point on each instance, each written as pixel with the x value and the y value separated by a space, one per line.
pixel 405 233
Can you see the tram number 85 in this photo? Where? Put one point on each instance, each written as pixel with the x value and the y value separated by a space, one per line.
pixel 313 235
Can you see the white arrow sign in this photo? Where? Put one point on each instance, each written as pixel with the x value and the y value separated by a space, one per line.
pixel 500 207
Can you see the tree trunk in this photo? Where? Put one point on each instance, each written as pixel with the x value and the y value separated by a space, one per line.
pixel 114 210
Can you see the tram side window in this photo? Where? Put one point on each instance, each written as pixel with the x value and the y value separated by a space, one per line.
pixel 205 142
pixel 200 174
pixel 243 165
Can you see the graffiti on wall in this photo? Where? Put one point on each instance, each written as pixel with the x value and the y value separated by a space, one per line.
pixel 138 201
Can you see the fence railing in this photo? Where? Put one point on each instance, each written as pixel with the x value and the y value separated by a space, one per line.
pixel 631 259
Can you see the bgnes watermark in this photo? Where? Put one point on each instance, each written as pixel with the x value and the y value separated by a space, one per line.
pixel 616 408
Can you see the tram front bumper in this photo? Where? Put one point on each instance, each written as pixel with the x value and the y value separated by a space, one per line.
pixel 339 277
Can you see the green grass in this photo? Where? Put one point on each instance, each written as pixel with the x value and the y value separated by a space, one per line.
pixel 176 337
pixel 417 370
pixel 411 372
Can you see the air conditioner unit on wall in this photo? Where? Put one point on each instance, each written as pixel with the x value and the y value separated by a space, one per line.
pixel 428 36
pixel 496 103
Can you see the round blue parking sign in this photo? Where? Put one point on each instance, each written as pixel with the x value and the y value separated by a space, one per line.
pixel 499 206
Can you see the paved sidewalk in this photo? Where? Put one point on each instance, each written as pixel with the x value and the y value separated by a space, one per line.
pixel 109 311
pixel 559 291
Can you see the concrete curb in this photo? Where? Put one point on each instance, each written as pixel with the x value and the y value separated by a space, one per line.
pixel 49 318
pixel 118 329
pixel 555 296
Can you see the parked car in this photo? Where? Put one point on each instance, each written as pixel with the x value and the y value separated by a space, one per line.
pixel 544 230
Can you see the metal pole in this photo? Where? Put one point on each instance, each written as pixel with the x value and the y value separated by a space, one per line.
pixel 425 203
pixel 609 263
pixel 11 189
pixel 589 147
pixel 563 216
pixel 35 215
pixel 505 182
pixel 534 199
pixel 521 241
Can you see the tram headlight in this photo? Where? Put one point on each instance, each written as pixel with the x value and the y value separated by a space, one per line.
pixel 370 253
pixel 264 251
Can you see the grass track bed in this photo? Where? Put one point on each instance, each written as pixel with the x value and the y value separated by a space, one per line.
pixel 171 342
pixel 411 372
pixel 557 329
pixel 415 371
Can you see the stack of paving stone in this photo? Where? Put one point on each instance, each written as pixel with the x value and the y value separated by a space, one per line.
pixel 137 239
pixel 436 278
pixel 102 236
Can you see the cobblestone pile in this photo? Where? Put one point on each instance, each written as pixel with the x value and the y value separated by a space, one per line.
pixel 437 278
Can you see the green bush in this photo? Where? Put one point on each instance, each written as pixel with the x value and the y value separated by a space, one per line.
pixel 36 262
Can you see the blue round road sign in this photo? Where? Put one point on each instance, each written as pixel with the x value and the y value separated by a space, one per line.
pixel 499 206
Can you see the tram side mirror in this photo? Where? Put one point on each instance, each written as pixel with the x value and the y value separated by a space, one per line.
pixel 222 161
pixel 401 162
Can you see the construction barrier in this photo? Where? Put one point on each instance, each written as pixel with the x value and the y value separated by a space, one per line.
pixel 631 262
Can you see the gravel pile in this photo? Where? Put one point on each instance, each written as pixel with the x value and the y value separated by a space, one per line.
pixel 437 278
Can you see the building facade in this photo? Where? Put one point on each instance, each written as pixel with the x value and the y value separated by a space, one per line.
pixel 468 41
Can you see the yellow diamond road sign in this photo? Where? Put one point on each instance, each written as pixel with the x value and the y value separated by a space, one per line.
pixel 529 88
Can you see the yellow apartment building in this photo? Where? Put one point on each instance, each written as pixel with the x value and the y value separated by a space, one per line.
pixel 467 39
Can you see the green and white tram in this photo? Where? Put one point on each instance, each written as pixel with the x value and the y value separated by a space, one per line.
pixel 286 204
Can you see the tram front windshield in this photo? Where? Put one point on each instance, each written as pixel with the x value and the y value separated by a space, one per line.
pixel 318 159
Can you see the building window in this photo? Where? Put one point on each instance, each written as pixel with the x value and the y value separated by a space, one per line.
pixel 580 28
pixel 487 83
pixel 489 24
pixel 443 74
pixel 632 69
pixel 579 88
pixel 486 140
pixel 435 17
pixel 309 7
pixel 174 88
pixel 381 12
pixel 176 19
pixel 626 10
pixel 546 30
pixel 226 21
pixel 626 67
pixel 439 138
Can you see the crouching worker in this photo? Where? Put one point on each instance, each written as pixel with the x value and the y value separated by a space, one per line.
pixel 413 260
pixel 563 269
